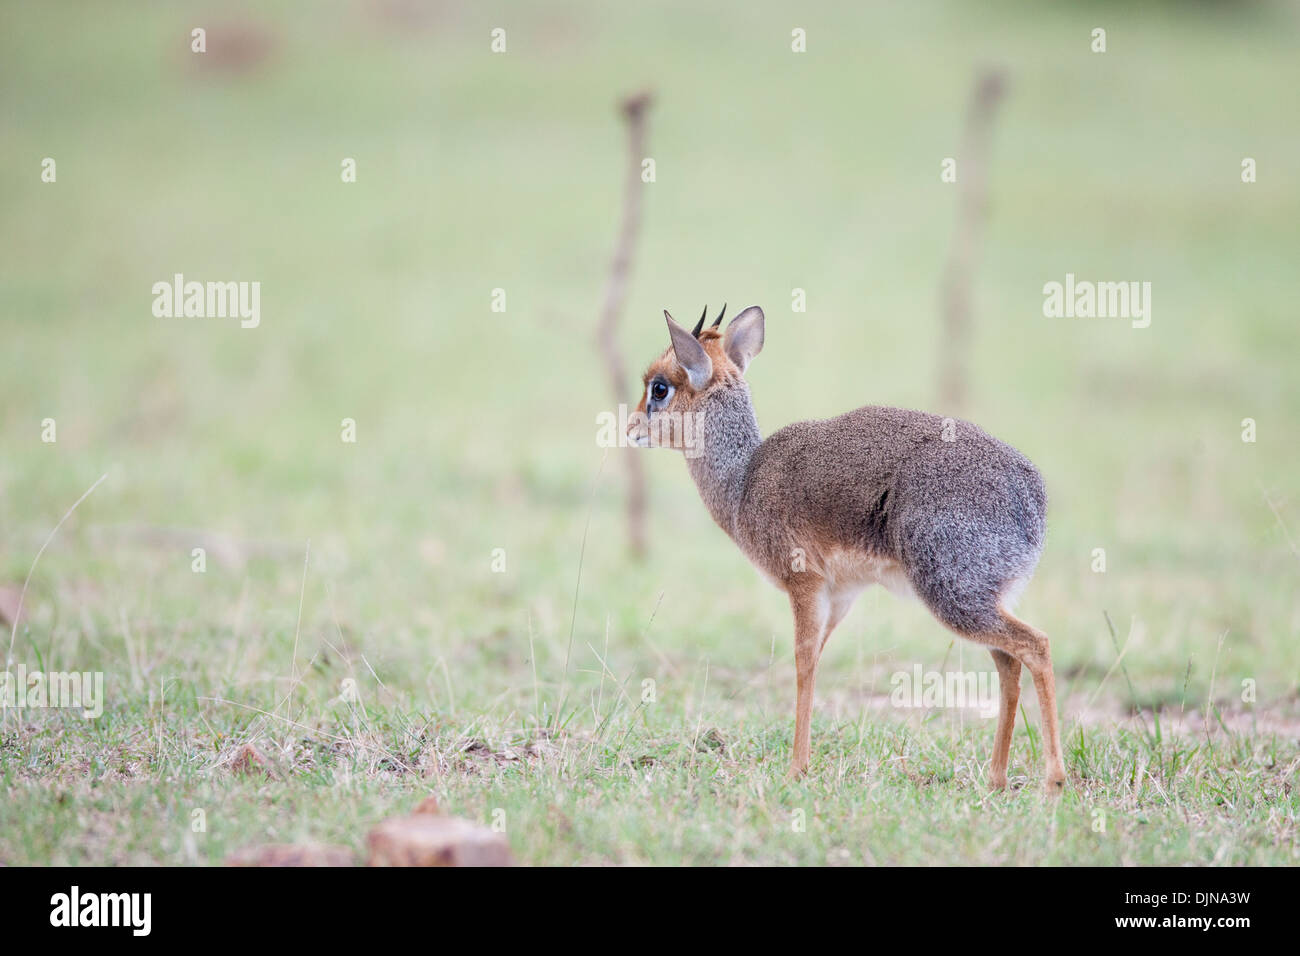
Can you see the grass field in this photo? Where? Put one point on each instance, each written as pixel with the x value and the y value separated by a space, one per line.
pixel 349 621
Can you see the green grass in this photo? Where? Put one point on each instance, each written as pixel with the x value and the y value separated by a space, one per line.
pixel 646 789
pixel 476 429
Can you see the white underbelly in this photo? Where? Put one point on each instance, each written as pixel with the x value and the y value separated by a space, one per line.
pixel 848 573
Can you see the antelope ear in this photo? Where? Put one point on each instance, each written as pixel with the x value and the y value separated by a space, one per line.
pixel 744 337
pixel 690 354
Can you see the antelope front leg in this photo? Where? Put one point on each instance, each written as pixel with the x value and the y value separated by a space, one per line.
pixel 810 613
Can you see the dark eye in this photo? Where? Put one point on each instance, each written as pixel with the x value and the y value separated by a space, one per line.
pixel 659 391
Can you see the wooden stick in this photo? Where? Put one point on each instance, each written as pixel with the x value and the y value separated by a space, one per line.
pixel 633 109
pixel 972 210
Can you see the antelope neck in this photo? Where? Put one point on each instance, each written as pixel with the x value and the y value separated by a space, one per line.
pixel 729 438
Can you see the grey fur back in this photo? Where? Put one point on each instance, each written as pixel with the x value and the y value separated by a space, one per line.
pixel 964 518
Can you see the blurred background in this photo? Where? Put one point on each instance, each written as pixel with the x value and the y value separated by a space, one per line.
pixel 476 429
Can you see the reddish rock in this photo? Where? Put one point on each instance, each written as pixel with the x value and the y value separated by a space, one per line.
pixel 10 598
pixel 290 854
pixel 428 840
pixel 248 760
pixel 428 805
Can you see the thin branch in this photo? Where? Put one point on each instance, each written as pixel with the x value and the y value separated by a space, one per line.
pixel 633 109
pixel 972 210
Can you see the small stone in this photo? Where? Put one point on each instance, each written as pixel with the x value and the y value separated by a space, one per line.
pixel 428 840
pixel 290 854
pixel 248 760
pixel 428 805
pixel 10 599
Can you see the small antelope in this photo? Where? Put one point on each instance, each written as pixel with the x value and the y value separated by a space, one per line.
pixel 876 496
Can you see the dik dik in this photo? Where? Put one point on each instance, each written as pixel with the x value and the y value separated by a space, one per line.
pixel 876 496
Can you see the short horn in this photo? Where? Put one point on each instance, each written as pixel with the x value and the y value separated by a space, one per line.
pixel 718 320
pixel 699 326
